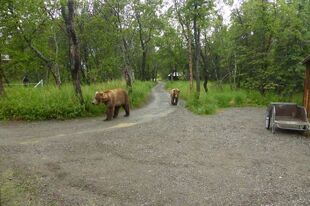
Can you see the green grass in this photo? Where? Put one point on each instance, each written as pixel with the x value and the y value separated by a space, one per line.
pixel 225 97
pixel 15 192
pixel 17 187
pixel 49 102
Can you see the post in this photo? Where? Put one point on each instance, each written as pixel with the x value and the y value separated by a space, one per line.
pixel 306 97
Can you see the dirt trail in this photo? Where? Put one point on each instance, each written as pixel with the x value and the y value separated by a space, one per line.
pixel 33 132
pixel 162 155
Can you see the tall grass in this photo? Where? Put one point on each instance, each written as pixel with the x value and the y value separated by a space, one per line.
pixel 224 97
pixel 49 102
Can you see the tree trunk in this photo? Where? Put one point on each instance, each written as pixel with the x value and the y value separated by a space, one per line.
pixel 143 77
pixel 197 50
pixel 190 59
pixel 235 71
pixel 56 65
pixel 53 71
pixel 1 81
pixel 75 60
pixel 144 45
pixel 205 82
pixel 4 77
pixel 85 72
pixel 125 52
pixel 127 74
pixel 127 67
pixel 51 65
pixel 206 72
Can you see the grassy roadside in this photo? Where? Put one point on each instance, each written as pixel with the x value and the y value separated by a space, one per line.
pixel 13 192
pixel 49 102
pixel 17 189
pixel 225 97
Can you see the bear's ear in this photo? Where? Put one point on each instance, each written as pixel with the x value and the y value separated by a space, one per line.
pixel 96 92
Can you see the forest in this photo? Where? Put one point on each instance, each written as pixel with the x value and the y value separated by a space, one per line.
pixel 260 47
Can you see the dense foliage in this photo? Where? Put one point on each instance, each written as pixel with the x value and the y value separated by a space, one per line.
pixel 270 41
pixel 260 48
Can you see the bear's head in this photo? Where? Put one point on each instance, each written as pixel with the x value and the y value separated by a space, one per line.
pixel 176 93
pixel 100 97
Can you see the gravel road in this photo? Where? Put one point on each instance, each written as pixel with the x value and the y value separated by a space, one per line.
pixel 162 155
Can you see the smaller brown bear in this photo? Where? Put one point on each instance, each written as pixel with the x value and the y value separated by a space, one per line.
pixel 174 94
pixel 113 99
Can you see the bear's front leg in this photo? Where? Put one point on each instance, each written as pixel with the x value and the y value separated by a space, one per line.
pixel 126 108
pixel 116 110
pixel 176 101
pixel 110 111
pixel 172 100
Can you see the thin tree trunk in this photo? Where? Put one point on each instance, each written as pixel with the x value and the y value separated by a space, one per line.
pixel 86 71
pixel 197 50
pixel 190 59
pixel 4 77
pixel 206 72
pixel 56 65
pixel 127 67
pixel 143 65
pixel 55 76
pixel 143 47
pixel 235 71
pixel 125 52
pixel 47 76
pixel 49 63
pixel 75 60
pixel 1 81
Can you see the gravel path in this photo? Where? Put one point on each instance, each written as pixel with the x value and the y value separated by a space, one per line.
pixel 162 155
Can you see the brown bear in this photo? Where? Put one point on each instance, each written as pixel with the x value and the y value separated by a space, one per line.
pixel 113 99
pixel 174 94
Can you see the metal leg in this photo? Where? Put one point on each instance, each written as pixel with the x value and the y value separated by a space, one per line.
pixel 273 117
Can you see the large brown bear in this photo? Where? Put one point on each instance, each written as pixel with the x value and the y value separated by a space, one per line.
pixel 113 99
pixel 174 94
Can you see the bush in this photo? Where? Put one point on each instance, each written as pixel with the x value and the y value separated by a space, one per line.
pixel 49 102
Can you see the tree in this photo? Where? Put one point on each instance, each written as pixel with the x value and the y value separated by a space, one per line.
pixel 147 24
pixel 269 42
pixel 120 13
pixel 74 49
pixel 28 20
pixel 186 31
pixel 196 28
pixel 260 49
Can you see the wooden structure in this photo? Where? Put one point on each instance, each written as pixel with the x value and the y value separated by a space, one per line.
pixel 307 85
